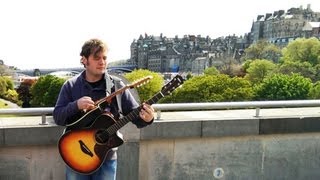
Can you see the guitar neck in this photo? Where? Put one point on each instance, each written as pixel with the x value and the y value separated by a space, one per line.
pixel 108 98
pixel 133 114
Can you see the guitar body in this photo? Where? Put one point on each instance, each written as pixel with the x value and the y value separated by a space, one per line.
pixel 84 150
pixel 86 118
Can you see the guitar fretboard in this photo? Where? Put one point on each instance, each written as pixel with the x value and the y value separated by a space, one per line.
pixel 132 115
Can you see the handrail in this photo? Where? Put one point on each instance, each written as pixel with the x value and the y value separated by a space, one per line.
pixel 182 106
pixel 39 111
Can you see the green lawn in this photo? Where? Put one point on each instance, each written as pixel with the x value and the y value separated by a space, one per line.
pixel 3 104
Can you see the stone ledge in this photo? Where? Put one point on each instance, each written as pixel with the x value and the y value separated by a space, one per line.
pixel 35 134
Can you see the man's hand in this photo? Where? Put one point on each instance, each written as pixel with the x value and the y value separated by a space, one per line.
pixel 85 103
pixel 146 112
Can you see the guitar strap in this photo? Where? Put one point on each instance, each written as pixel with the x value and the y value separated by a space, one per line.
pixel 116 83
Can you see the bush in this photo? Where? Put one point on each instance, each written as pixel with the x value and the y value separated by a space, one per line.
pixel 283 87
pixel 45 91
pixel 150 89
pixel 209 88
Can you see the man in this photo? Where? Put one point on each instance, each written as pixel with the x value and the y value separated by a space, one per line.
pixel 79 94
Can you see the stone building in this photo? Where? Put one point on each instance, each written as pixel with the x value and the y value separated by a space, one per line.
pixel 281 27
pixel 162 54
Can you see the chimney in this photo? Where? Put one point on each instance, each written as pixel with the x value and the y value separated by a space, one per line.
pixel 268 15
pixel 309 7
pixel 259 17
pixel 275 13
pixel 281 12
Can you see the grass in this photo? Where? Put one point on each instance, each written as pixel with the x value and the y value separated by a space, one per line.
pixel 3 104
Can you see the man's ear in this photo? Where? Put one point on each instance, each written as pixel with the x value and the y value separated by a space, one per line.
pixel 83 60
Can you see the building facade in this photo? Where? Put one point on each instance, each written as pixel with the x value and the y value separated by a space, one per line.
pixel 281 27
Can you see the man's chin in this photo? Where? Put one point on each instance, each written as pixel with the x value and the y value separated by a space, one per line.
pixel 101 71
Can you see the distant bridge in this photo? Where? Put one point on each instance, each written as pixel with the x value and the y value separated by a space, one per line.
pixel 113 69
pixel 121 69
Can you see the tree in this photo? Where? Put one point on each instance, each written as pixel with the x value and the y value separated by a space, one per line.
pixel 211 71
pixel 189 75
pixel 46 90
pixel 150 89
pixel 302 50
pixel 314 92
pixel 6 84
pixel 212 88
pixel 36 72
pixel 259 69
pixel 24 91
pixel 5 71
pixel 303 68
pixel 262 50
pixel 317 72
pixel 228 66
pixel 283 87
pixel 3 86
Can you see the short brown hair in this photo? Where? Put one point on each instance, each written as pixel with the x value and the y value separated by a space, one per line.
pixel 93 46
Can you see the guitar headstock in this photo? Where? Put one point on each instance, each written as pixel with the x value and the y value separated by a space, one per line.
pixel 140 82
pixel 172 85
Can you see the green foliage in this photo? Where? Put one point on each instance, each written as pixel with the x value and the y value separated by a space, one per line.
pixel 46 90
pixel 24 91
pixel 209 88
pixel 9 82
pixel 303 68
pixel 314 92
pixel 317 72
pixel 262 50
pixel 6 84
pixel 302 50
pixel 12 96
pixel 259 69
pixel 3 104
pixel 3 86
pixel 246 65
pixel 150 89
pixel 189 75
pixel 283 87
pixel 211 71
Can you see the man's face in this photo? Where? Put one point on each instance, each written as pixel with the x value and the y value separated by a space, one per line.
pixel 96 63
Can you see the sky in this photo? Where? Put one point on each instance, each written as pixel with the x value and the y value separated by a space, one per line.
pixel 49 34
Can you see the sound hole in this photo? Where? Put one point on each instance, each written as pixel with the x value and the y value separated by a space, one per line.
pixel 101 136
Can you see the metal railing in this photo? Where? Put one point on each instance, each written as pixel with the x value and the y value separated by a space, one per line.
pixel 43 112
pixel 257 105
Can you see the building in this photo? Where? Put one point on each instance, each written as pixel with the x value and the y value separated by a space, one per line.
pixel 281 27
pixel 162 54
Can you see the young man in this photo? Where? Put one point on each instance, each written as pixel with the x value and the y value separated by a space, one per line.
pixel 79 94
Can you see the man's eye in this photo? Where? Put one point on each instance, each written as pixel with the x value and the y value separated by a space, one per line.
pixel 104 57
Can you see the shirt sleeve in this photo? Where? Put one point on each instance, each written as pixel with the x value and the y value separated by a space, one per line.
pixel 66 108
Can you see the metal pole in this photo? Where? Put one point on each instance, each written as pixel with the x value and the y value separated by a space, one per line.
pixel 158 115
pixel 43 120
pixel 257 112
